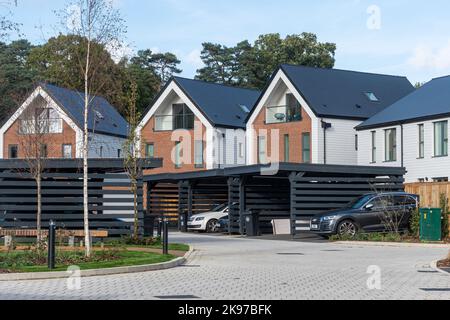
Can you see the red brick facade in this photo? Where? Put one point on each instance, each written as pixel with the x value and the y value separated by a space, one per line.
pixel 53 141
pixel 164 146
pixel 293 129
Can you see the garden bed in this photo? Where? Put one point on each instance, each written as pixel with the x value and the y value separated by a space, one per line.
pixel 384 237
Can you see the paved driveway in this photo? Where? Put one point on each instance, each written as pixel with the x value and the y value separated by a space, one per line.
pixel 235 268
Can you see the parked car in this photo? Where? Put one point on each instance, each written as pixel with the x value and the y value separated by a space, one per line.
pixel 366 214
pixel 207 221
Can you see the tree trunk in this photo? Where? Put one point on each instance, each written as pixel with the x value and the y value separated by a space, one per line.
pixel 136 228
pixel 87 239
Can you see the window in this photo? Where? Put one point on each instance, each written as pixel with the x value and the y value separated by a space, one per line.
pixel 306 147
pixel 178 154
pixel 372 97
pixel 44 151
pixel 262 150
pixel 421 141
pixel 374 146
pixel 290 112
pixel 391 145
pixel 198 151
pixel 294 109
pixel 356 142
pixel 150 150
pixel 244 108
pixel 183 117
pixel 13 151
pixel 119 153
pixel 241 150
pixel 67 151
pixel 441 139
pixel 286 148
pixel 100 152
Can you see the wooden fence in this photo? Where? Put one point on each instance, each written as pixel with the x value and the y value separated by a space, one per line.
pixel 430 192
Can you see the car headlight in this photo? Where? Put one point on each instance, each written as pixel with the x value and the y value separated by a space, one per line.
pixel 200 219
pixel 330 218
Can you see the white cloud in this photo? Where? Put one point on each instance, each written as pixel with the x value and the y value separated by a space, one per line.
pixel 426 57
pixel 194 59
pixel 119 50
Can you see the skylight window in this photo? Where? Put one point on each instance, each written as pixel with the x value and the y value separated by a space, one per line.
pixel 244 108
pixel 99 115
pixel 372 97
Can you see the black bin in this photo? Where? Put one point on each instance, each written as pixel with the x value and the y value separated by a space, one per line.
pixel 251 219
pixel 182 222
pixel 149 225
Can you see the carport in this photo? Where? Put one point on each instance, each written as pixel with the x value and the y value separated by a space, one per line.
pixel 295 191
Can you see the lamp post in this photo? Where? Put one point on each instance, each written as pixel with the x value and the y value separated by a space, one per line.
pixel 165 235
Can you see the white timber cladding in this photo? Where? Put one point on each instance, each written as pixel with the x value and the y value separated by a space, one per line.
pixel 98 141
pixel 340 140
pixel 221 143
pixel 418 169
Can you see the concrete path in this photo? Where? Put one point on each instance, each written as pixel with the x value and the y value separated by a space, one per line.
pixel 236 268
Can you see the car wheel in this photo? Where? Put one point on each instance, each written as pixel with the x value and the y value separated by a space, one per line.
pixel 211 226
pixel 347 228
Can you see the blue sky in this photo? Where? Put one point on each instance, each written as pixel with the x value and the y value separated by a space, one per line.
pixel 406 37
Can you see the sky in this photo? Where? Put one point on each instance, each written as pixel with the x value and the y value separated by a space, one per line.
pixel 400 37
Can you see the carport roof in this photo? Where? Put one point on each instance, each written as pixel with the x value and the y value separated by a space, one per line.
pixel 284 170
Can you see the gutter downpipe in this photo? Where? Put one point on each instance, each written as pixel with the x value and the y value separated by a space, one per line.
pixel 325 126
pixel 402 146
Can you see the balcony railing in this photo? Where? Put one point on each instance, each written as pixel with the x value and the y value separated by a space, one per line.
pixel 170 123
pixel 283 114
pixel 41 126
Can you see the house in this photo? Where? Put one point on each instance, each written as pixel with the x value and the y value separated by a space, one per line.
pixel 309 115
pixel 195 125
pixel 411 133
pixel 53 118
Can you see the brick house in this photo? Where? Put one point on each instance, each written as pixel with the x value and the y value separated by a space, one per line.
pixel 195 125
pixel 56 115
pixel 309 115
pixel 411 133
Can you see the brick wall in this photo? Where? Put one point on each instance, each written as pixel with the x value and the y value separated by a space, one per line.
pixel 163 146
pixel 54 141
pixel 293 129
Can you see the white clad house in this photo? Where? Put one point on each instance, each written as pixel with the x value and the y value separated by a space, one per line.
pixel 412 133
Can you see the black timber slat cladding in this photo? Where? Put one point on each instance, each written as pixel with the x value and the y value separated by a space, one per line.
pixel 234 202
pixel 111 205
pixel 311 194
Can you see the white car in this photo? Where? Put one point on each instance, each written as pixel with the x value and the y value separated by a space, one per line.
pixel 207 221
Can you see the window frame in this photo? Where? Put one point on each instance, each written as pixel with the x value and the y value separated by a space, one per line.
pixel 306 150
pixel 262 150
pixel 199 165
pixel 63 150
pixel 147 153
pixel 388 148
pixel 10 149
pixel 287 148
pixel 421 128
pixel 374 146
pixel 444 142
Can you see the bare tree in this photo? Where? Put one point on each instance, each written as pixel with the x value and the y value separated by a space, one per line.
pixel 34 131
pixel 6 25
pixel 95 21
pixel 132 162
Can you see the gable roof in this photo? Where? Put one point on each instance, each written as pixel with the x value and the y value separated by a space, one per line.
pixel 220 104
pixel 103 117
pixel 337 93
pixel 428 102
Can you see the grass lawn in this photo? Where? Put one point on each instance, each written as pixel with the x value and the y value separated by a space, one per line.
pixel 122 259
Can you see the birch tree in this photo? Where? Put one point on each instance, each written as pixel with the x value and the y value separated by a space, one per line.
pixel 132 162
pixel 35 125
pixel 96 22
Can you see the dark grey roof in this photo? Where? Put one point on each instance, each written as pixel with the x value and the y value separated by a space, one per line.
pixel 103 117
pixel 428 102
pixel 342 94
pixel 220 104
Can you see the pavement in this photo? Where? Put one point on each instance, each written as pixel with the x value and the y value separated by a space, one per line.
pixel 229 268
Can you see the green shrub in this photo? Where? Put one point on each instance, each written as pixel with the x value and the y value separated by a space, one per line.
pixel 415 224
pixel 445 212
pixel 373 237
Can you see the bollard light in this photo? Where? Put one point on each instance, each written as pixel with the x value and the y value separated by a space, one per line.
pixel 165 236
pixel 51 245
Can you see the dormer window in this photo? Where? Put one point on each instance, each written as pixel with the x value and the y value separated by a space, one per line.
pixel 372 97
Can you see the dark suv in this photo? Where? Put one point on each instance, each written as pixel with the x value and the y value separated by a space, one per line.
pixel 369 213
